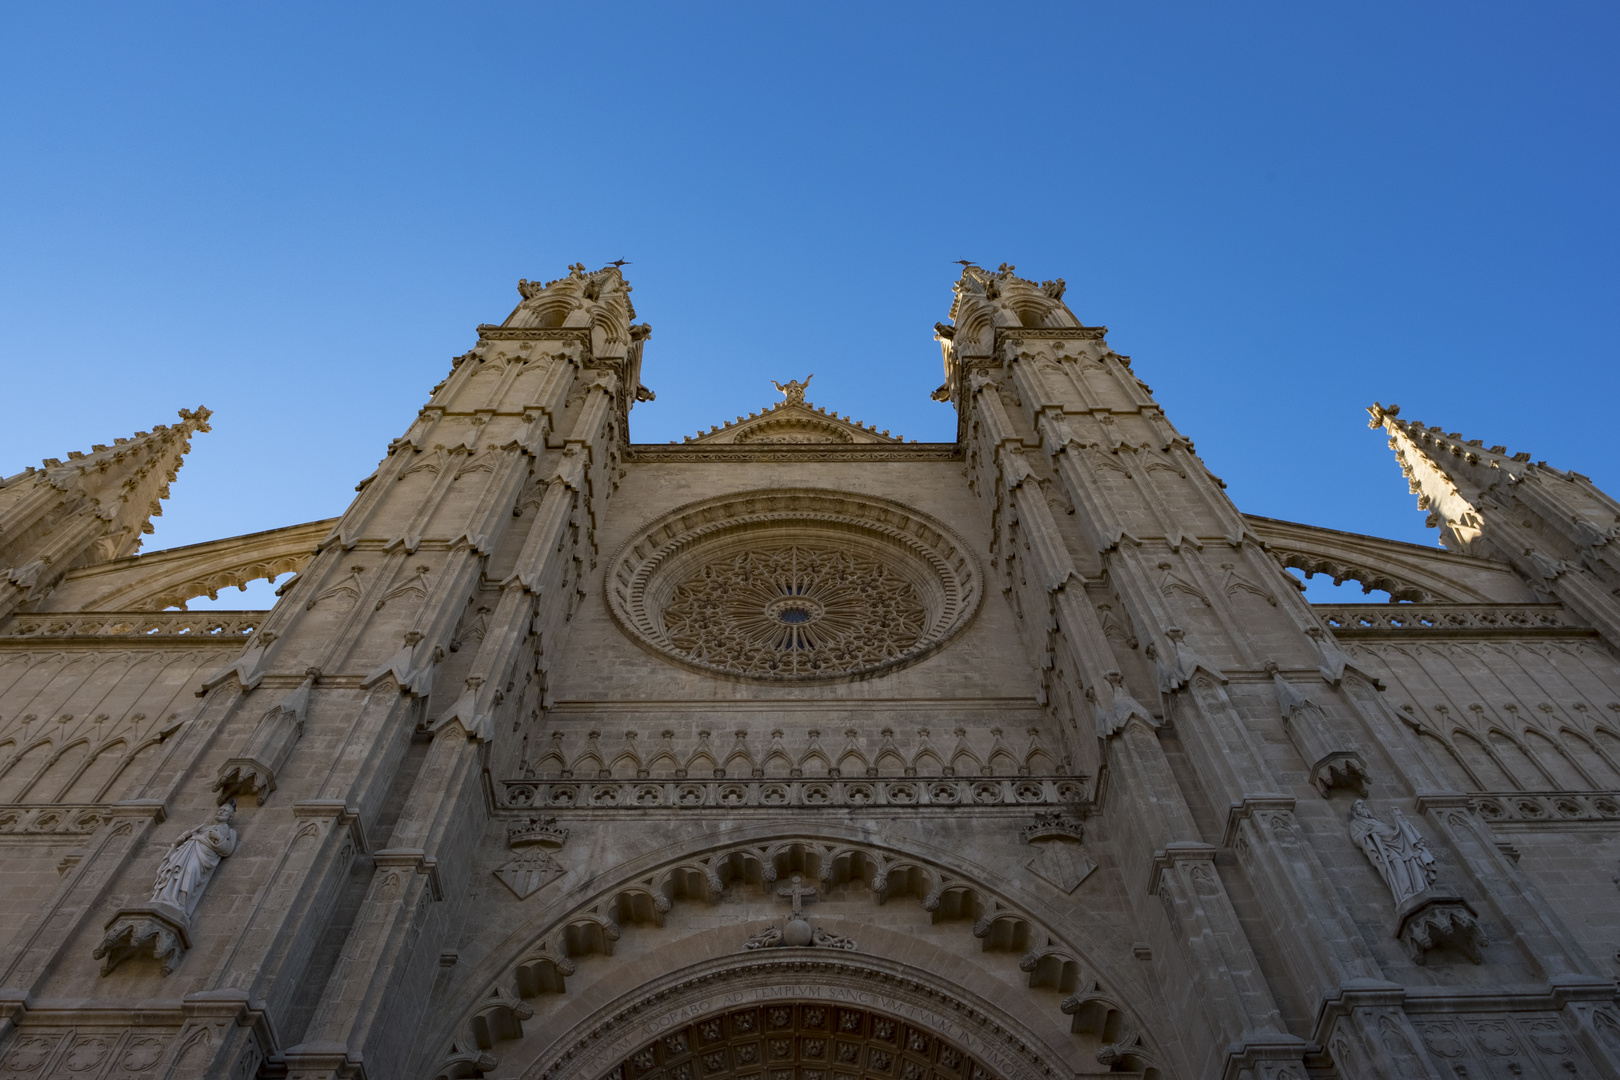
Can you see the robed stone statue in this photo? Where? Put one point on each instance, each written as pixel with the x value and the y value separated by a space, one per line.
pixel 189 863
pixel 1397 851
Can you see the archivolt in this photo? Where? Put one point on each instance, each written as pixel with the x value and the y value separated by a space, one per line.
pixel 538 960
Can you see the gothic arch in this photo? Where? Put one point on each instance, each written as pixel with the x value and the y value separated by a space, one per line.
pixel 1080 1006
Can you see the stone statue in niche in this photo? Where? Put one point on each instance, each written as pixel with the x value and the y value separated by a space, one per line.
pixel 161 927
pixel 1397 852
pixel 1424 917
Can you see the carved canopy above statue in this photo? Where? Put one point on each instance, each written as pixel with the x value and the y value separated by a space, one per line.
pixel 794 585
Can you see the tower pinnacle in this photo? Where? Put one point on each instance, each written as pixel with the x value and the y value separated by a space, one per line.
pixel 92 508
pixel 1555 527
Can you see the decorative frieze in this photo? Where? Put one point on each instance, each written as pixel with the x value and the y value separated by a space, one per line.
pixel 1557 810
pixel 749 452
pixel 1448 620
pixel 976 793
pixel 229 628
pixel 52 822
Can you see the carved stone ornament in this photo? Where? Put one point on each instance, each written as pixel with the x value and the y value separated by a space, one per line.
pixel 157 930
pixel 532 866
pixel 1062 861
pixel 1431 919
pixel 1424 918
pixel 161 927
pixel 797 932
pixel 794 585
pixel 794 389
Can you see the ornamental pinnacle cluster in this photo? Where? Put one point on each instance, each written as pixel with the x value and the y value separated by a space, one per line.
pixel 799 751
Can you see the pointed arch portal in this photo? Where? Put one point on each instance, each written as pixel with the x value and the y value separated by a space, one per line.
pixel 802 1014
pixel 800 1040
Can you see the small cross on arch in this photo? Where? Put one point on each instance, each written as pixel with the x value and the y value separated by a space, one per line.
pixel 797 892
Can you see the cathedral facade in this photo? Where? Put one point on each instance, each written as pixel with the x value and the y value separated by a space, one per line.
pixel 797 751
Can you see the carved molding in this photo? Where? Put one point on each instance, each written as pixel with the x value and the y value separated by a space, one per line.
pixel 848 983
pixel 790 452
pixel 1451 621
pixel 1518 810
pixel 490 332
pixel 225 628
pixel 54 822
pixel 972 794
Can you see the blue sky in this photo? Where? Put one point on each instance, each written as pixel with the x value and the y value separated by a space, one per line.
pixel 296 214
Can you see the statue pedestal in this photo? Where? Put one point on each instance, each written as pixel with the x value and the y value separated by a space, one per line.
pixel 159 930
pixel 1430 919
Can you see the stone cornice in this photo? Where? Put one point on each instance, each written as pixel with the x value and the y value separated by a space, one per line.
pixel 490 332
pixel 1053 333
pixel 646 453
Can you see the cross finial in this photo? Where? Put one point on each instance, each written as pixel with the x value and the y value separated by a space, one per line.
pixel 797 892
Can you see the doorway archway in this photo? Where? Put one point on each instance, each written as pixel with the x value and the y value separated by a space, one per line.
pixel 801 1040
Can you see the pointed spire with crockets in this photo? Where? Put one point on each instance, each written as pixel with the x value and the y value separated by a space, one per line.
pixel 91 508
pixel 1555 527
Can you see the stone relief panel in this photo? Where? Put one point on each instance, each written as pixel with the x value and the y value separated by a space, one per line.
pixel 794 586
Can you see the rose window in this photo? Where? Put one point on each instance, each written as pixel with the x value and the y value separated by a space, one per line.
pixel 794 585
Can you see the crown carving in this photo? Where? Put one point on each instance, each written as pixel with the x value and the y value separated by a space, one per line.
pixel 1054 826
pixel 537 832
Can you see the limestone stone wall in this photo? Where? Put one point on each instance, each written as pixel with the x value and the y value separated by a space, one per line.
pixel 795 751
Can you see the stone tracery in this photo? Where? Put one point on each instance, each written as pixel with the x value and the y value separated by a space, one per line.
pixel 794 584
pixel 794 610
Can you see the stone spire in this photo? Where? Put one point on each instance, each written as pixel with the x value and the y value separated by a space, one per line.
pixel 92 508
pixel 1555 527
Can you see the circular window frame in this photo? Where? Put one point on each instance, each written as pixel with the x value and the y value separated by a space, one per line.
pixel 939 564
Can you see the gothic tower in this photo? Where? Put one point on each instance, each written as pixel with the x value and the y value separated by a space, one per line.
pixel 798 751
